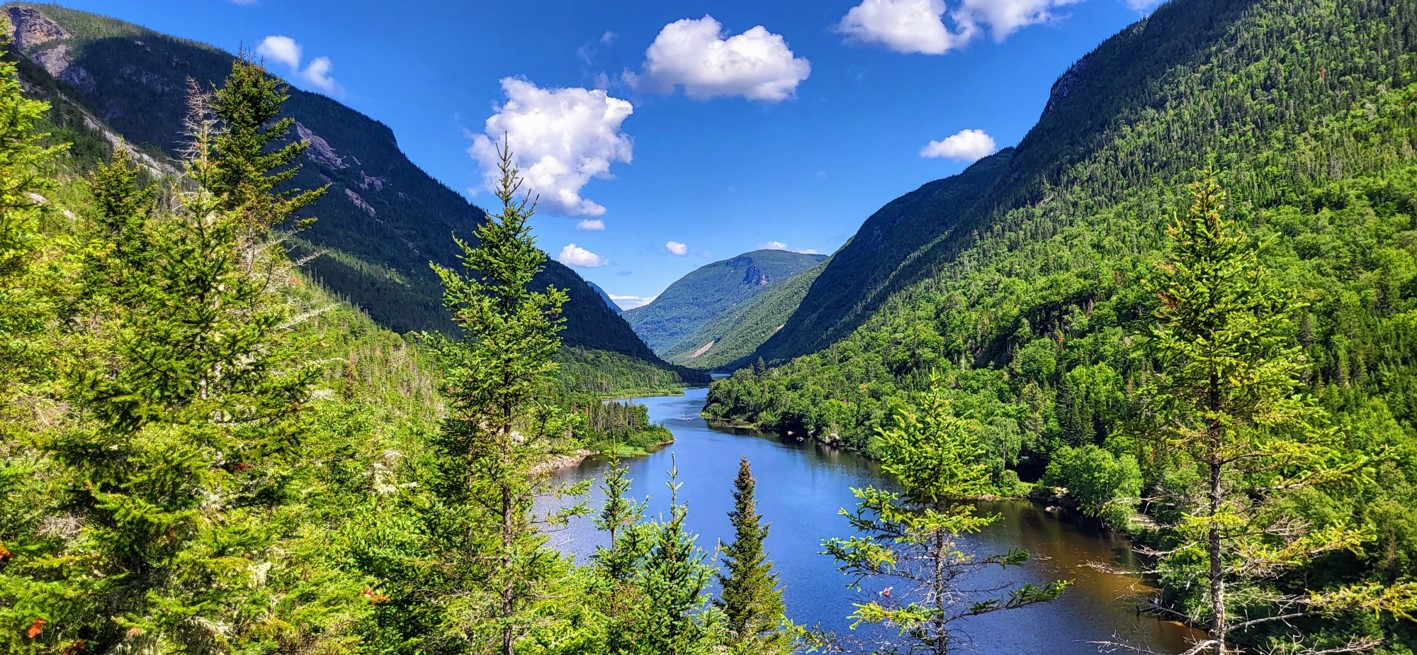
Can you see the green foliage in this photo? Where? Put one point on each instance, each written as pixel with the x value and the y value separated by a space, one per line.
pixel 751 599
pixel 382 218
pixel 737 333
pixel 677 320
pixel 914 539
pixel 1105 486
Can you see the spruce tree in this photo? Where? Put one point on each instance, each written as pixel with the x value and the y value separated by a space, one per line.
pixel 251 165
pixel 188 422
pixel 750 598
pixel 1229 408
pixel 913 540
pixel 668 620
pixel 28 583
pixel 496 566
pixel 620 518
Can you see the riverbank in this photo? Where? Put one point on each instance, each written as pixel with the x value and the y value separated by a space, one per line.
pixel 801 487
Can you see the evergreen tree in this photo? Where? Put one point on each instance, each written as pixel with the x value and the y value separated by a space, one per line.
pixel 912 539
pixel 22 179
pixel 620 518
pixel 189 420
pixel 669 619
pixel 1229 408
pixel 26 309
pixel 119 251
pixel 250 162
pixel 497 566
pixel 751 599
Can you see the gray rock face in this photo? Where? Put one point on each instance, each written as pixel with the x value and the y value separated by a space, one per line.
pixel 1065 84
pixel 319 151
pixel 30 29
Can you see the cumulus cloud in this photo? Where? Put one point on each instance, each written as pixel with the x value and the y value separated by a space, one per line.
pixel 560 139
pixel 317 74
pixel 285 50
pixel 965 145
pixel 694 54
pixel 778 245
pixel 921 26
pixel 282 49
pixel 574 255
pixel 677 248
pixel 591 225
pixel 901 25
pixel 631 302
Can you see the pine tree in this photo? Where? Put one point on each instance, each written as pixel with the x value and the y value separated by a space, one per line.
pixel 120 244
pixel 913 539
pixel 751 599
pixel 498 567
pixel 23 154
pixel 1229 406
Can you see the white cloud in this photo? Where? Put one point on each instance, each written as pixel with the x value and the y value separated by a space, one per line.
pixel 693 54
pixel 281 49
pixel 902 25
pixel 778 245
pixel 1004 17
pixel 919 26
pixel 965 145
pixel 591 225
pixel 317 74
pixel 560 139
pixel 285 50
pixel 574 255
pixel 677 248
pixel 631 302
pixel 1142 5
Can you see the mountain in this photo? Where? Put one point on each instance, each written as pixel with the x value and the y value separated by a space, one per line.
pixel 380 223
pixel 678 314
pixel 730 339
pixel 1123 129
pixel 604 296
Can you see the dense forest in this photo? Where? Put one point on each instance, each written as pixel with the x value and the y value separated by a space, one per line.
pixel 1185 304
pixel 677 321
pixel 1045 312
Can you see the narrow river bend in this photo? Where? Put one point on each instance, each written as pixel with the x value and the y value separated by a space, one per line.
pixel 800 489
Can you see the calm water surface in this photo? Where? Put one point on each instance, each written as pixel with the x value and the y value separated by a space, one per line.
pixel 800 489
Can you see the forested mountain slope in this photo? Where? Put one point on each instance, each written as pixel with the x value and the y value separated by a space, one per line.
pixel 1034 311
pixel 1256 86
pixel 383 218
pixel 675 318
pixel 729 339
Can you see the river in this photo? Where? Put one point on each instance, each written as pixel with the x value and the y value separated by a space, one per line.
pixel 800 489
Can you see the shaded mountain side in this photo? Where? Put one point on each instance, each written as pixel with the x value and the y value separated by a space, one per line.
pixel 883 255
pixel 382 220
pixel 1230 84
pixel 677 315
pixel 604 296
pixel 730 339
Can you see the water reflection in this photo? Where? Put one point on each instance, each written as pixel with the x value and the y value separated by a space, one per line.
pixel 802 485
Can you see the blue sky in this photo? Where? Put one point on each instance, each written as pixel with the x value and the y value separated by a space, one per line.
pixel 687 133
